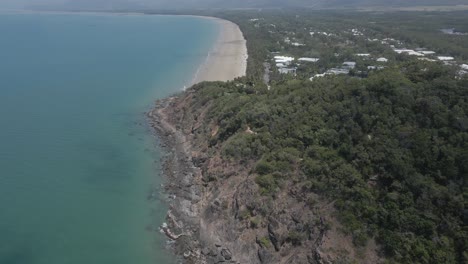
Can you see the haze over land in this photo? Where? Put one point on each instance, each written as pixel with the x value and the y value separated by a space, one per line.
pixel 188 4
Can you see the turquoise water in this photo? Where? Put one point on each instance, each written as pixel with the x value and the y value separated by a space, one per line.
pixel 77 162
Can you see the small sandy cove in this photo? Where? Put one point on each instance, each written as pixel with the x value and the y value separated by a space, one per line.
pixel 228 58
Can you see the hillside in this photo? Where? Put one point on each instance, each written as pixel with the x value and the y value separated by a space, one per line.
pixel 355 165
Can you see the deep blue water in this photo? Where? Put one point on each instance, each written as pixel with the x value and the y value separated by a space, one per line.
pixel 77 162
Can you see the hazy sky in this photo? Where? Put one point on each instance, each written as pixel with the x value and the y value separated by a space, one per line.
pixel 70 3
pixel 141 4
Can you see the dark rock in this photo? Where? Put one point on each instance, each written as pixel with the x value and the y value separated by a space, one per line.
pixel 212 253
pixel 226 254
pixel 205 251
pixel 277 233
pixel 299 227
pixel 220 259
pixel 265 256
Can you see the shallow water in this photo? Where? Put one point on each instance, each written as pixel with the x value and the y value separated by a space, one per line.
pixel 77 162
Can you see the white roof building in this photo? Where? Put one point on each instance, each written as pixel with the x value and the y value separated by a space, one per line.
pixel 283 59
pixel 375 67
pixel 349 64
pixel 318 76
pixel 382 59
pixel 426 59
pixel 312 33
pixel 356 32
pixel 445 58
pixel 363 54
pixel 409 52
pixel 308 59
pixel 287 70
pixel 297 44
pixel 464 66
pixel 333 71
pixel 338 71
pixel 427 52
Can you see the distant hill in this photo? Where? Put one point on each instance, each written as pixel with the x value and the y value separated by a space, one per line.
pixel 191 4
pixel 390 3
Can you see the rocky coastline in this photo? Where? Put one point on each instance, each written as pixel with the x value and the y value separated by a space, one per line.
pixel 217 213
pixel 184 186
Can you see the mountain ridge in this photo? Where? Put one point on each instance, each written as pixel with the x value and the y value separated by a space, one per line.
pixel 221 4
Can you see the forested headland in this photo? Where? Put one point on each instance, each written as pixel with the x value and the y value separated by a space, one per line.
pixel 377 156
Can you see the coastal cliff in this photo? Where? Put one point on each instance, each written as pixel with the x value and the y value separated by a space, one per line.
pixel 218 213
pixel 363 167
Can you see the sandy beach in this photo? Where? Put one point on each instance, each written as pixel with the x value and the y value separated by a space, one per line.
pixel 228 58
pixel 185 185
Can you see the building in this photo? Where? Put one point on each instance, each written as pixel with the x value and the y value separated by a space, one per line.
pixel 375 67
pixel 297 44
pixel 445 58
pixel 283 60
pixel 409 52
pixel 427 52
pixel 318 76
pixel 287 70
pixel 338 71
pixel 382 59
pixel 308 59
pixel 349 64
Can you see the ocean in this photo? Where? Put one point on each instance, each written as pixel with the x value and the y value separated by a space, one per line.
pixel 79 167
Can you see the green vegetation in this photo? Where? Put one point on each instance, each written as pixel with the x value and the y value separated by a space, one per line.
pixel 390 147
pixel 265 242
pixel 393 152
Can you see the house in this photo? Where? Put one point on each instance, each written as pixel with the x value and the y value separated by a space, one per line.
pixel 382 59
pixel 318 76
pixel 338 71
pixel 283 60
pixel 349 64
pixel 464 66
pixel 333 71
pixel 375 67
pixel 409 52
pixel 312 33
pixel 363 54
pixel 297 44
pixel 308 59
pixel 356 32
pixel 426 59
pixel 445 58
pixel 287 70
pixel 427 52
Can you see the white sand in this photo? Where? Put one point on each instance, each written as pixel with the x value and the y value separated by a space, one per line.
pixel 228 58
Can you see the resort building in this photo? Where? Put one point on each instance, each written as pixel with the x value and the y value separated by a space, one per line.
pixel 308 59
pixel 382 59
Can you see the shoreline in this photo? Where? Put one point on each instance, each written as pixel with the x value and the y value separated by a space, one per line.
pixel 227 59
pixel 184 183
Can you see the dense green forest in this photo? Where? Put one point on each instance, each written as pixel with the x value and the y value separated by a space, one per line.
pixel 389 147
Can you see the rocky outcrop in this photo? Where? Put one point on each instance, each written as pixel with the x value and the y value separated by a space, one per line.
pixel 216 205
